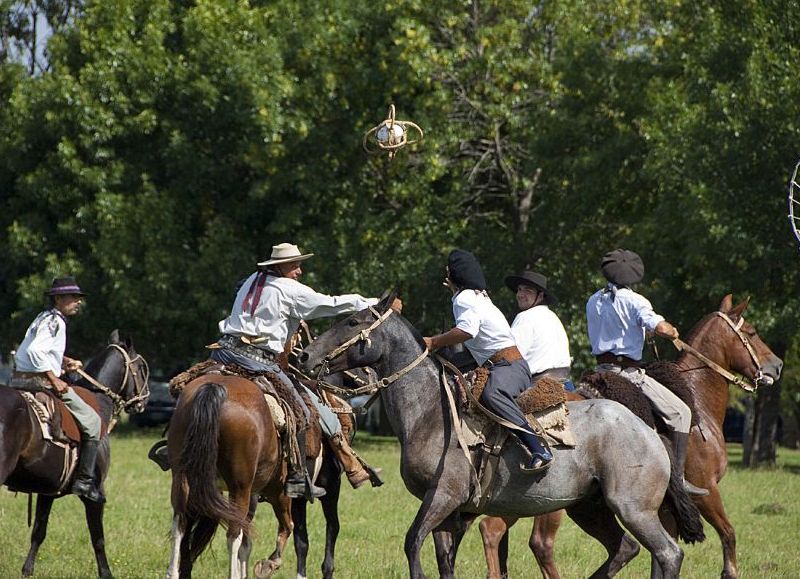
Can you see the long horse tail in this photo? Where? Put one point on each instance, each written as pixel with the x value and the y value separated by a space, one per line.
pixel 198 463
pixel 686 513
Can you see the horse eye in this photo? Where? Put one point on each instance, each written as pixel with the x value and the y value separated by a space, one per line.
pixel 353 322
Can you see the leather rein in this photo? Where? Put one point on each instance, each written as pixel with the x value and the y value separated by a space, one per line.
pixel 140 373
pixel 740 381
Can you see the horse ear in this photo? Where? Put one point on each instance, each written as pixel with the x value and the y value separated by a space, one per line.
pixel 739 310
pixel 114 337
pixel 726 304
pixel 387 299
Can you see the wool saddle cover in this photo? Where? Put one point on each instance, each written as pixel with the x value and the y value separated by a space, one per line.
pixel 285 410
pixel 53 415
pixel 544 403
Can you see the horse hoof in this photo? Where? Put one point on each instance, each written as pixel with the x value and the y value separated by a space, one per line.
pixel 265 568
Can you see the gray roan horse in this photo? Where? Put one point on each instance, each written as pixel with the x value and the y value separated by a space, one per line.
pixel 619 467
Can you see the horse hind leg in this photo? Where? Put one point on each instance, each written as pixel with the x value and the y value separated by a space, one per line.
pixel 644 524
pixel 177 532
pixel 282 507
pixel 43 505
pixel 598 521
pixel 330 508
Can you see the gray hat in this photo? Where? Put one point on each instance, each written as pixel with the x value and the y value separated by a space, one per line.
pixel 622 267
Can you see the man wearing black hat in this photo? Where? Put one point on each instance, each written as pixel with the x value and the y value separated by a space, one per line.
pixel 485 332
pixel 39 364
pixel 617 318
pixel 539 334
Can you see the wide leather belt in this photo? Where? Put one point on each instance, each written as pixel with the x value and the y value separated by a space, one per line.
pixel 622 361
pixel 235 344
pixel 509 354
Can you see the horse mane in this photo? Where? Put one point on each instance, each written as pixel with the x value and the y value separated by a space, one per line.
pixel 693 333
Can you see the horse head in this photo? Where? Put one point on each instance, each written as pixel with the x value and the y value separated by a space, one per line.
pixel 120 373
pixel 745 351
pixel 349 343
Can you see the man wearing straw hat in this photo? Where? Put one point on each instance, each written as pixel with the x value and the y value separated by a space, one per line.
pixel 39 364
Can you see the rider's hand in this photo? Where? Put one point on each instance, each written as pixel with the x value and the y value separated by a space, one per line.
pixel 397 305
pixel 428 343
pixel 59 386
pixel 666 330
pixel 71 365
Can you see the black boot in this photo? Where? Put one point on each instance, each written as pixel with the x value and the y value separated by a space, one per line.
pixel 298 483
pixel 680 444
pixel 540 456
pixel 158 454
pixel 84 485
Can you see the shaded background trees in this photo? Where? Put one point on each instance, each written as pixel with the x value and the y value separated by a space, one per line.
pixel 157 149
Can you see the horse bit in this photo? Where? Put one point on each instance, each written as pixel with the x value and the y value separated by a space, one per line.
pixel 761 379
pixel 141 390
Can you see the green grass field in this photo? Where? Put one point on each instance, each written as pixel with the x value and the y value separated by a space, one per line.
pixel 762 505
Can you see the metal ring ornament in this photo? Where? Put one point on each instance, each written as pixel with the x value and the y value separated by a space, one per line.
pixel 391 135
pixel 794 203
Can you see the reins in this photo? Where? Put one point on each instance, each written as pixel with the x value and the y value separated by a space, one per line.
pixel 140 384
pixel 680 345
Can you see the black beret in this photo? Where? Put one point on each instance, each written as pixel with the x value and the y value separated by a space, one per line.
pixel 465 271
pixel 622 267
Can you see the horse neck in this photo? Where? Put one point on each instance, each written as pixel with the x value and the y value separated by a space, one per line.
pixel 710 388
pixel 110 375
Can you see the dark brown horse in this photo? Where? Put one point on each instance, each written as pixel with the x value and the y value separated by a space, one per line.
pixel 223 429
pixel 30 464
pixel 731 343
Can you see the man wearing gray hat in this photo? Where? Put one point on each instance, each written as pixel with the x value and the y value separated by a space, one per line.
pixel 540 335
pixel 617 318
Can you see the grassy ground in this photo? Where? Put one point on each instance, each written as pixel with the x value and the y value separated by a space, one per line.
pixel 761 504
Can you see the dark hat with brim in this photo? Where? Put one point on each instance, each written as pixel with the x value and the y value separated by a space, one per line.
pixel 63 286
pixel 622 267
pixel 534 279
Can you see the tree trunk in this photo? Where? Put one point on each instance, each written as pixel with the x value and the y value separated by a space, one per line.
pixel 761 427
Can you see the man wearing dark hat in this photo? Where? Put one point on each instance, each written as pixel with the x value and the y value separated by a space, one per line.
pixel 485 332
pixel 39 364
pixel 540 335
pixel 266 313
pixel 617 319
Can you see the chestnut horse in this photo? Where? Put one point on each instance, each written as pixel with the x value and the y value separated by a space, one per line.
pixel 731 343
pixel 223 429
pixel 30 464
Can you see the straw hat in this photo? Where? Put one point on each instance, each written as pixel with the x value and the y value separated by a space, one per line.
pixel 284 253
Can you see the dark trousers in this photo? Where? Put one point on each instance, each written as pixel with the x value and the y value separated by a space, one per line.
pixel 507 380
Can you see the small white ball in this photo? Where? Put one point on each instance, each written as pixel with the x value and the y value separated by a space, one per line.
pixel 385 138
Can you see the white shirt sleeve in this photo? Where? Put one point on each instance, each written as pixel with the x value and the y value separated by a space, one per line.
pixel 467 316
pixel 309 304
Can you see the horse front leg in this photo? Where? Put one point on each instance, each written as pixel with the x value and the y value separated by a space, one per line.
pixel 494 533
pixel 447 538
pixel 437 505
pixel 43 505
pixel 330 508
pixel 94 519
pixel 542 542
pixel 713 511
pixel 300 534
pixel 282 507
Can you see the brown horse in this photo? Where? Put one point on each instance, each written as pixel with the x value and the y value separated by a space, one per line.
pixel 223 429
pixel 733 345
pixel 30 464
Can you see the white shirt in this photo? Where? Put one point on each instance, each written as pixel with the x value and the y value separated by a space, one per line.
pixel 479 317
pixel 541 339
pixel 282 304
pixel 618 324
pixel 44 344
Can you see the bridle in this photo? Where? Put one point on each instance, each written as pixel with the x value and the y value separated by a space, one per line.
pixel 760 378
pixel 136 369
pixel 363 336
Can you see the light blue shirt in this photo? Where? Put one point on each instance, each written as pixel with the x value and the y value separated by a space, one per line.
pixel 476 315
pixel 617 319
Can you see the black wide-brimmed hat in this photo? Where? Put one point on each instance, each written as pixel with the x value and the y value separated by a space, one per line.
pixel 622 267
pixel 535 279
pixel 65 286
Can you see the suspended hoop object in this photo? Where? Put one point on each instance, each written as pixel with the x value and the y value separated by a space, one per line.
pixel 794 202
pixel 391 135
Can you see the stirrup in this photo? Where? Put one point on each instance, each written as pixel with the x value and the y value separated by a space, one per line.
pixel 158 454
pixel 537 463
pixel 374 475
pixel 694 490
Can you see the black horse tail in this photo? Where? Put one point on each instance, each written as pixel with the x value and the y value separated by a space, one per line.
pixel 198 463
pixel 681 505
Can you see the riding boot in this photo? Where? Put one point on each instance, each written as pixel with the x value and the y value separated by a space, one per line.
pixel 298 483
pixel 680 445
pixel 158 454
pixel 540 456
pixel 356 470
pixel 84 485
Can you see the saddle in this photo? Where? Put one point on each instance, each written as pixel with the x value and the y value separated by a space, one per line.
pixel 618 388
pixel 54 418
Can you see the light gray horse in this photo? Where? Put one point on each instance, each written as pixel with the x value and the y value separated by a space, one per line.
pixel 619 466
